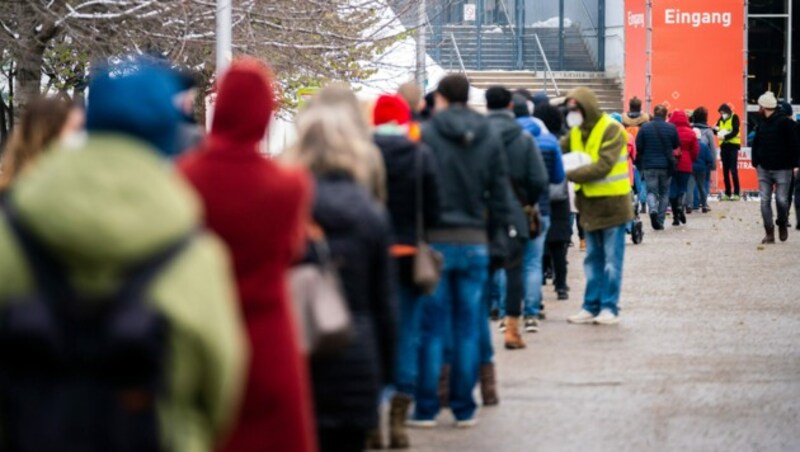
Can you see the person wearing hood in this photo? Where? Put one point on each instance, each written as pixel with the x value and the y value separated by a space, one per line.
pixel 260 210
pixel 728 132
pixel 114 204
pixel 473 180
pixel 534 125
pixel 412 178
pixel 775 156
pixel 655 143
pixel 548 147
pixel 706 162
pixel 528 179
pixel 603 200
pixel 686 156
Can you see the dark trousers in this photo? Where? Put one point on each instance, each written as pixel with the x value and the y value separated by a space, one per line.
pixel 729 154
pixel 558 257
pixel 343 439
pixel 515 288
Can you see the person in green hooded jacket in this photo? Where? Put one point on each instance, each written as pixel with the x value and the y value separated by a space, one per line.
pixel 115 202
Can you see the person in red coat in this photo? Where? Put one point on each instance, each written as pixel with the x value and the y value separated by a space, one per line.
pixel 686 155
pixel 260 210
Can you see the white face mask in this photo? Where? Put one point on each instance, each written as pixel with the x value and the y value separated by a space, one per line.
pixel 725 116
pixel 574 119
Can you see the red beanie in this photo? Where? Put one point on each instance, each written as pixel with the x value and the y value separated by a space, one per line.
pixel 391 108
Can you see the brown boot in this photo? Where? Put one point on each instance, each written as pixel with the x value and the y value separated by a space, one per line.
pixel 513 339
pixel 398 412
pixel 488 385
pixel 783 232
pixel 444 386
pixel 374 439
pixel 770 237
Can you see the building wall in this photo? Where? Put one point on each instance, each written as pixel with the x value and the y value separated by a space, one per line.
pixel 615 37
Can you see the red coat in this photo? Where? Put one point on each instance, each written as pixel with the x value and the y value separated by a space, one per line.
pixel 690 149
pixel 259 210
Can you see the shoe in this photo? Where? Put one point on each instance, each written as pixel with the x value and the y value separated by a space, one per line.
pixel 783 232
pixel 513 340
pixel 374 439
pixel 467 423
pixel 654 221
pixel 735 198
pixel 582 246
pixel 421 423
pixel 531 325
pixel 724 198
pixel 688 211
pixel 488 385
pixel 606 317
pixel 563 295
pixel 398 413
pixel 706 209
pixel 502 326
pixel 676 221
pixel 582 317
pixel 769 238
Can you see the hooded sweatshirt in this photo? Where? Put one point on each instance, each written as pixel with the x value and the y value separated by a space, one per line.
pixel 688 141
pixel 604 212
pixel 473 174
pixel 634 119
pixel 116 204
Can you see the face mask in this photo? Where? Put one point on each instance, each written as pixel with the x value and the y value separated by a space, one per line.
pixel 725 116
pixel 574 119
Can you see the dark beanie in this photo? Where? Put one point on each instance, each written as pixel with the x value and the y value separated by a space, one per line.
pixel 520 103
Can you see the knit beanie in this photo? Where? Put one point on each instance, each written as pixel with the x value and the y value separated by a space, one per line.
pixel 768 100
pixel 391 108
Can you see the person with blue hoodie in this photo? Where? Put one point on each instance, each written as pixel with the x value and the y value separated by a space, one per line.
pixel 705 163
pixel 534 251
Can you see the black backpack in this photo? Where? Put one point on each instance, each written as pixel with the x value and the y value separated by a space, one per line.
pixel 79 374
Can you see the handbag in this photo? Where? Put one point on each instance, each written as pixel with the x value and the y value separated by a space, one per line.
pixel 428 263
pixel 325 325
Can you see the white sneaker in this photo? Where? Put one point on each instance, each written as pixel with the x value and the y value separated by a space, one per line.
pixel 467 423
pixel 582 317
pixel 606 317
pixel 421 423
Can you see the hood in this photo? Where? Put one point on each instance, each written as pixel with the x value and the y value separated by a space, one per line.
pixel 530 124
pixel 244 103
pixel 591 108
pixel 461 125
pixel 104 207
pixel 679 118
pixel 504 125
pixel 634 119
pixel 136 99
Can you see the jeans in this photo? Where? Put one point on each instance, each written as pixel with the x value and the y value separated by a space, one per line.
pixel 454 311
pixel 729 154
pixel 679 185
pixel 605 252
pixel 408 339
pixel 641 186
pixel 781 181
pixel 486 349
pixel 699 185
pixel 657 190
pixel 532 270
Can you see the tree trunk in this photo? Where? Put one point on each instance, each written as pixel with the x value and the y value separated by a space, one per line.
pixel 29 72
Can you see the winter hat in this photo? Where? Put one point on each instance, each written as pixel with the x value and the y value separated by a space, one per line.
pixel 244 104
pixel 540 98
pixel 785 108
pixel 768 101
pixel 136 98
pixel 391 108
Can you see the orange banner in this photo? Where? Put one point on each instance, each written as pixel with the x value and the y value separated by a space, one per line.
pixel 635 49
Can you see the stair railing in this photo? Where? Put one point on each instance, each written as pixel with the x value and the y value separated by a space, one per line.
pixel 458 54
pixel 549 72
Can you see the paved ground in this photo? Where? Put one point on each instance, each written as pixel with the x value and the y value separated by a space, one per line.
pixel 706 358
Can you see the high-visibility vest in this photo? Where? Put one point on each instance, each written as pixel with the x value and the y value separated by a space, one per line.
pixel 727 125
pixel 616 182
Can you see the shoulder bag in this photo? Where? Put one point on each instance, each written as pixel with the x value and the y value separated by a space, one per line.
pixel 428 262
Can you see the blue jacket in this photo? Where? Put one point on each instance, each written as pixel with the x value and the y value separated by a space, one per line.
pixel 654 151
pixel 705 160
pixel 551 153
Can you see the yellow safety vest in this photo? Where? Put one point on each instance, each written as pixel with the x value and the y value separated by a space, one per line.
pixel 727 125
pixel 616 183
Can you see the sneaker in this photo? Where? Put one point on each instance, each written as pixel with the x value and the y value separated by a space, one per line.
pixel 563 295
pixel 502 326
pixel 531 325
pixel 467 423
pixel 606 317
pixel 724 198
pixel 421 423
pixel 735 198
pixel 582 317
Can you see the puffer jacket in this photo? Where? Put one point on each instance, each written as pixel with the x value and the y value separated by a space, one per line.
pixel 689 147
pixel 654 144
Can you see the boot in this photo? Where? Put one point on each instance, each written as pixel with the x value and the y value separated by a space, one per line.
pixel 673 203
pixel 681 212
pixel 444 386
pixel 512 337
pixel 398 437
pixel 654 221
pixel 374 439
pixel 770 237
pixel 783 232
pixel 488 385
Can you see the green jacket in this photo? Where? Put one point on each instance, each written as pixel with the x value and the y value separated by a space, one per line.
pixel 606 211
pixel 115 202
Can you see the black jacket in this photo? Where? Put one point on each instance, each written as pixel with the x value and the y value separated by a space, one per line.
pixel 347 386
pixel 775 145
pixel 654 144
pixel 560 227
pixel 473 170
pixel 528 175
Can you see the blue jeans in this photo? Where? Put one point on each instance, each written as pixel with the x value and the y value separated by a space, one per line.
pixel 408 339
pixel 657 190
pixel 605 252
pixel 453 311
pixel 532 270
pixel 679 185
pixel 641 186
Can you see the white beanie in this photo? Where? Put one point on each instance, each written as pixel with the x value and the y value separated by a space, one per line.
pixel 768 100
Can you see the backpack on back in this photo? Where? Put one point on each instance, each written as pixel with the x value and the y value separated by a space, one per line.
pixel 79 374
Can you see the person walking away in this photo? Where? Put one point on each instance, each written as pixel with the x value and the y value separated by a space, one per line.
pixel 707 162
pixel 548 147
pixel 603 199
pixel 701 169
pixel 474 175
pixel 411 93
pixel 728 132
pixel 412 176
pixel 686 156
pixel 264 230
pixel 94 214
pixel 775 156
pixel 654 145
pixel 347 385
pixel 633 120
